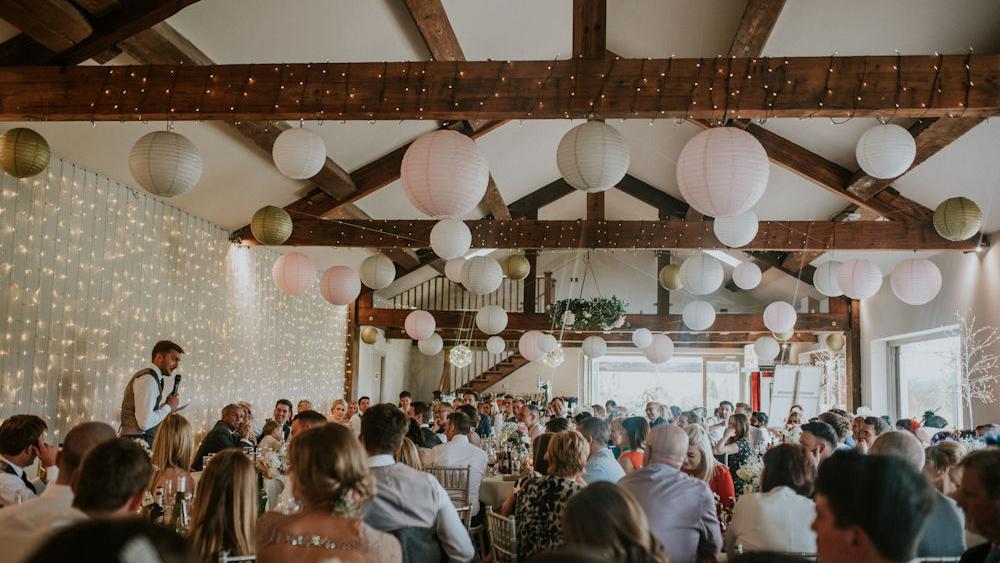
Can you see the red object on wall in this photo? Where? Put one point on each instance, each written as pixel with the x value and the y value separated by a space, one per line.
pixel 755 387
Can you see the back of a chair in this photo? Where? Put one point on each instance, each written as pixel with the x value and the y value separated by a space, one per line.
pixel 419 545
pixel 503 536
pixel 455 481
pixel 947 559
pixel 224 557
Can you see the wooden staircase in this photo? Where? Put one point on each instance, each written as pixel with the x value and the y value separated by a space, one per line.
pixel 497 372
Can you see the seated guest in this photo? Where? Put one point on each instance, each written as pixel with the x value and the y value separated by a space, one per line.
pixel 173 452
pixel 601 463
pixel 409 504
pixel 22 441
pixel 943 534
pixel 654 414
pixel 530 416
pixel 420 432
pixel 760 438
pixel 579 417
pixel 272 438
pixel 126 540
pixel 979 497
pixel 458 452
pixel 329 475
pixel 353 419
pixel 633 456
pixel 303 406
pixel 777 518
pixel 869 509
pixel 248 419
pixel 306 420
pixel 539 447
pixel 558 424
pixel 441 412
pixel 942 461
pixel 841 427
pixel 515 409
pixel 229 432
pixel 475 438
pixel 409 455
pixel 405 398
pixel 283 416
pixel 483 425
pixel 818 441
pixel 620 534
pixel 870 428
pixel 758 420
pixel 338 412
pixel 225 507
pixel 611 407
pixel 702 465
pixel 599 412
pixel 908 425
pixel 557 408
pixel 680 508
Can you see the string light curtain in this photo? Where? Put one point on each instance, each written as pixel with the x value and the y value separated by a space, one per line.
pixel 93 273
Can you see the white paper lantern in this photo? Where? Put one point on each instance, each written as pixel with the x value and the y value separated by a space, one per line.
pixel 377 271
pixel 419 325
pixel 453 269
pixel 431 345
pixel 527 345
pixel 780 317
pixel 825 279
pixel 886 151
pixel 491 319
pixel 547 343
pixel 736 231
pixel 915 281
pixel 642 338
pixel 340 285
pixel 698 315
pixel 859 279
pixel 722 171
pixel 766 348
pixel 294 273
pixel 444 174
pixel 165 163
pixel 460 356
pixel 747 275
pixel 299 153
pixel 594 347
pixel 592 157
pixel 701 274
pixel 482 275
pixel 660 350
pixel 495 345
pixel 450 238
pixel 555 358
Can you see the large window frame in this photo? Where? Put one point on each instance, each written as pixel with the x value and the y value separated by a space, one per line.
pixel 899 384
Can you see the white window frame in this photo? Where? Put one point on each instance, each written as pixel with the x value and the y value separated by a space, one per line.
pixel 892 368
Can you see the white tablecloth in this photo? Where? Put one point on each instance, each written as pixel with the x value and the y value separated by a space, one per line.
pixel 494 490
pixel 273 486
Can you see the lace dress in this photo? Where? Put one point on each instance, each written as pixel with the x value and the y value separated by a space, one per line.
pixel 282 538
pixel 538 511
pixel 738 459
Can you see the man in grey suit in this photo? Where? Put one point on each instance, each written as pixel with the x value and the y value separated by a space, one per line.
pixel 680 508
pixel 231 431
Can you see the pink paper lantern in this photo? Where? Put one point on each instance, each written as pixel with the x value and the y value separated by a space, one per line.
pixel 340 285
pixel 294 273
pixel 660 350
pixel 453 269
pixel 722 172
pixel 444 174
pixel 528 345
pixel 419 325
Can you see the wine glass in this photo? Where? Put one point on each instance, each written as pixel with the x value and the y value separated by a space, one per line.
pixel 491 459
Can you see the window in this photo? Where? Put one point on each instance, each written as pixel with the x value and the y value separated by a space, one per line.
pixel 686 381
pixel 723 381
pixel 927 376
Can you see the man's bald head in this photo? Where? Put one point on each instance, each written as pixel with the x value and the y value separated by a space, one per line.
pixel 666 444
pixel 78 442
pixel 902 445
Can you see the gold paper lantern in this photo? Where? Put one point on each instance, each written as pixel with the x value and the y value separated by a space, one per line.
pixel 670 277
pixel 835 341
pixel 783 336
pixel 518 267
pixel 271 225
pixel 369 335
pixel 958 218
pixel 23 152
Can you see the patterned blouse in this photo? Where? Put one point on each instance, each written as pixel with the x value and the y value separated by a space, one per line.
pixel 738 459
pixel 538 512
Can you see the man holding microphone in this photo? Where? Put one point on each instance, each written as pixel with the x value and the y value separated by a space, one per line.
pixel 144 406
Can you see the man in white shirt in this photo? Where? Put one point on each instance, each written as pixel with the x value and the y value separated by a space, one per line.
pixel 22 441
pixel 144 405
pixel 363 404
pixel 458 452
pixel 530 416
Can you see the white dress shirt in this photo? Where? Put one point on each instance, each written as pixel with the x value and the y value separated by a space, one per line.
pixel 536 431
pixel 146 390
pixel 11 485
pixel 778 520
pixel 460 453
pixel 23 528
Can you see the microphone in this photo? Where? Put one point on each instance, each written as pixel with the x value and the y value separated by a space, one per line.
pixel 177 383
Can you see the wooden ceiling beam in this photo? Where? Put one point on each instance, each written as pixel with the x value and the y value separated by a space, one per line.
pixel 759 19
pixel 590 33
pixel 474 338
pixel 435 28
pixel 494 202
pixel 666 204
pixel 56 25
pixel 527 207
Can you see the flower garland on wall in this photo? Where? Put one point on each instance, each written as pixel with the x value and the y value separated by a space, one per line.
pixel 604 313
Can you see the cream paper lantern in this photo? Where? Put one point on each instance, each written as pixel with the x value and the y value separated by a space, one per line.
pixel 698 315
pixel 271 225
pixel 825 279
pixel 835 341
pixel 369 335
pixel 450 238
pixel 555 358
pixel 642 338
pixel 495 345
pixel 491 319
pixel 701 274
pixel 766 349
pixel 453 269
pixel 722 172
pixel 594 347
pixel 885 151
pixel 527 345
pixel 431 346
pixel 299 153
pixel 165 163
pixel 518 267
pixel 547 343
pixel 294 273
pixel 958 218
pixel 444 174
pixel 783 336
pixel 419 325
pixel 670 277
pixel 660 350
pixel 592 157
pixel 747 275
pixel 780 317
pixel 859 279
pixel 915 281
pixel 482 275
pixel 340 285
pixel 377 271
pixel 736 231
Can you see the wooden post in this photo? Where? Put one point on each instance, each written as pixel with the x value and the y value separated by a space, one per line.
pixel 854 396
pixel 530 285
pixel 352 336
pixel 444 384
pixel 595 206
pixel 550 289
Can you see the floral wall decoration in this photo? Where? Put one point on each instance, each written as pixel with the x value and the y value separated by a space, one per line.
pixel 602 313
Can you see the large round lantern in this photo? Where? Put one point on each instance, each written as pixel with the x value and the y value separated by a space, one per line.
pixel 701 274
pixel 23 152
pixel 482 275
pixel 450 238
pixel 594 347
pixel 547 343
pixel 165 163
pixel 958 218
pixel 431 345
pixel 518 267
pixel 885 151
pixel 722 171
pixel 859 279
pixel 299 153
pixel 835 341
pixel 528 346
pixel 369 335
pixel 766 348
pixel 491 319
pixel 339 285
pixel 642 338
pixel 294 273
pixel 460 356
pixel 444 174
pixel 495 345
pixel 592 157
pixel 698 315
pixel 271 225
pixel 453 269
pixel 377 271
pixel 915 281
pixel 747 275
pixel 780 317
pixel 825 279
pixel 660 350
pixel 736 231
pixel 670 277
pixel 419 325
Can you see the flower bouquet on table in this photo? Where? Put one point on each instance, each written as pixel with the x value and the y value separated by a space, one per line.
pixel 749 473
pixel 516 436
pixel 271 464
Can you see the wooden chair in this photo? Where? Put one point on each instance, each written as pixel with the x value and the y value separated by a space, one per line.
pixel 502 532
pixel 455 481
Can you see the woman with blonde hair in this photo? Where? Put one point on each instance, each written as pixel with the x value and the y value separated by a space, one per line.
pixel 409 455
pixel 940 463
pixel 338 412
pixel 225 508
pixel 621 533
pixel 173 454
pixel 328 473
pixel 701 464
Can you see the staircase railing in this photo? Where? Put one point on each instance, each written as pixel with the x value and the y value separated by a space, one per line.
pixel 441 294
